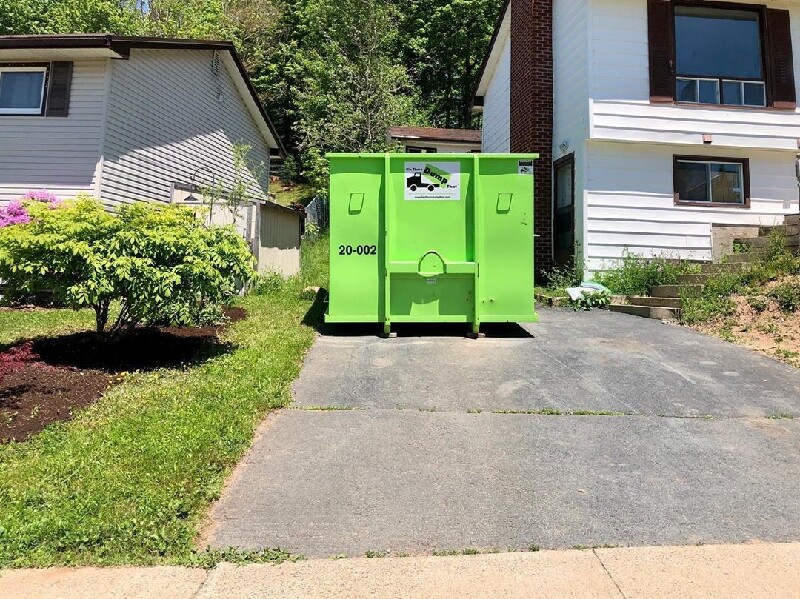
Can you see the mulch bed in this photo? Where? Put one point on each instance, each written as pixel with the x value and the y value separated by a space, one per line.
pixel 46 380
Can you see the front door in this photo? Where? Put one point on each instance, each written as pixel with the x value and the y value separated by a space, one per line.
pixel 564 210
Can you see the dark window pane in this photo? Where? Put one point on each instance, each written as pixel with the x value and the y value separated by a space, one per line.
pixel 754 94
pixel 717 42
pixel 709 91
pixel 691 181
pixel 686 90
pixel 21 90
pixel 565 198
pixel 564 193
pixel 732 92
pixel 726 183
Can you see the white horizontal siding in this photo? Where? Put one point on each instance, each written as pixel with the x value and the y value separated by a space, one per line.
pixel 169 116
pixel 571 95
pixel 497 104
pixel 620 96
pixel 630 206
pixel 59 154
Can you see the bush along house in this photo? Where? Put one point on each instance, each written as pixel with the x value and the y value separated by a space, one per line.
pixel 126 119
pixel 665 127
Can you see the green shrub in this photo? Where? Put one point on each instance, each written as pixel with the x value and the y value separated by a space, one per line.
pixel 787 296
pixel 637 275
pixel 562 277
pixel 158 262
pixel 758 303
pixel 589 300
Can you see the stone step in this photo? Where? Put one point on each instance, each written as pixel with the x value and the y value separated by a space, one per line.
pixel 674 290
pixel 699 279
pixel 787 229
pixel 646 311
pixel 740 258
pixel 655 302
pixel 718 267
pixel 762 242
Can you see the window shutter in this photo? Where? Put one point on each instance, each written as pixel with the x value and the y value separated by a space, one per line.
pixel 660 25
pixel 779 60
pixel 58 89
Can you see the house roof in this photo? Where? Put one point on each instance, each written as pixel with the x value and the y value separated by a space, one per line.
pixel 472 136
pixel 56 47
pixel 492 55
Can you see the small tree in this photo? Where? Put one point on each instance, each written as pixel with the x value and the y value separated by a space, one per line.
pixel 159 262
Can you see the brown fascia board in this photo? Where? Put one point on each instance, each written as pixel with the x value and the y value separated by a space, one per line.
pixel 484 63
pixel 122 45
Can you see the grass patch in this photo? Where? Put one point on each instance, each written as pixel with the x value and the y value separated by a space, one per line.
pixel 780 416
pixel 298 193
pixel 130 479
pixel 16 325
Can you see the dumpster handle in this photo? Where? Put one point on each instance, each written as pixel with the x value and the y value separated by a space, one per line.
pixel 432 274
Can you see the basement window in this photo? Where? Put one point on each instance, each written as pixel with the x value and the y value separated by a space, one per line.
pixel 701 181
pixel 22 90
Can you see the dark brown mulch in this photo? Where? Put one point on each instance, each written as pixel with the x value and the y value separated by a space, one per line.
pixel 47 379
pixel 38 395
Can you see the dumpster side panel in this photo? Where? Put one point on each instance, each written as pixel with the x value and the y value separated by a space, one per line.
pixel 356 238
pixel 505 283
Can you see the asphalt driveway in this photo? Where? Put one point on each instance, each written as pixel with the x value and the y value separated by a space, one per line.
pixel 585 429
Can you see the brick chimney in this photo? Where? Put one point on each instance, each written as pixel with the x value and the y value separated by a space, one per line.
pixel 532 108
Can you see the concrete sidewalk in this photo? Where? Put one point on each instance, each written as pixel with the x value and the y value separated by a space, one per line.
pixel 710 571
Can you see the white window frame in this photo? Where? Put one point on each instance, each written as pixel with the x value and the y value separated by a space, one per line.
pixel 710 187
pixel 26 111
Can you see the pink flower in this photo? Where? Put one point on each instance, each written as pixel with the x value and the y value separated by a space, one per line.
pixel 14 214
pixel 41 195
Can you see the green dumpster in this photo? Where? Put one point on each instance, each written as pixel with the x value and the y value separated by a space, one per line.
pixel 431 238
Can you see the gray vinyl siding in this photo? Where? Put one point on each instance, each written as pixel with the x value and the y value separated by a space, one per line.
pixel 169 116
pixel 59 154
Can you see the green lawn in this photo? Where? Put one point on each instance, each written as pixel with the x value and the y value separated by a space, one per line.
pixel 129 480
pixel 23 324
pixel 300 192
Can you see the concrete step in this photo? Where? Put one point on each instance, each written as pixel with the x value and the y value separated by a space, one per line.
pixel 739 258
pixel 655 302
pixel 787 229
pixel 699 279
pixel 762 242
pixel 646 311
pixel 674 290
pixel 718 267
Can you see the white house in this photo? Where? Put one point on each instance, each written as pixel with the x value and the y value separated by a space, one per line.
pixel 130 118
pixel 656 120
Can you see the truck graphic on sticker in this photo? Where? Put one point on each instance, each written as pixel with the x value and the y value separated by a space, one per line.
pixel 432 181
pixel 414 182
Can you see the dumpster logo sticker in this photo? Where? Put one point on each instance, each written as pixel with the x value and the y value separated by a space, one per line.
pixel 433 181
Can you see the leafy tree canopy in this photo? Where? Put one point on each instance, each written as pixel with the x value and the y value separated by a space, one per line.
pixel 334 74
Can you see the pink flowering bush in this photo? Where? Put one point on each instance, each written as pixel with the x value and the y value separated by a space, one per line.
pixel 41 195
pixel 15 212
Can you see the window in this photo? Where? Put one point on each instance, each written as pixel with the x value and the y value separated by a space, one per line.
pixel 720 53
pixel 718 56
pixel 722 181
pixel 564 210
pixel 22 90
pixel 420 150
